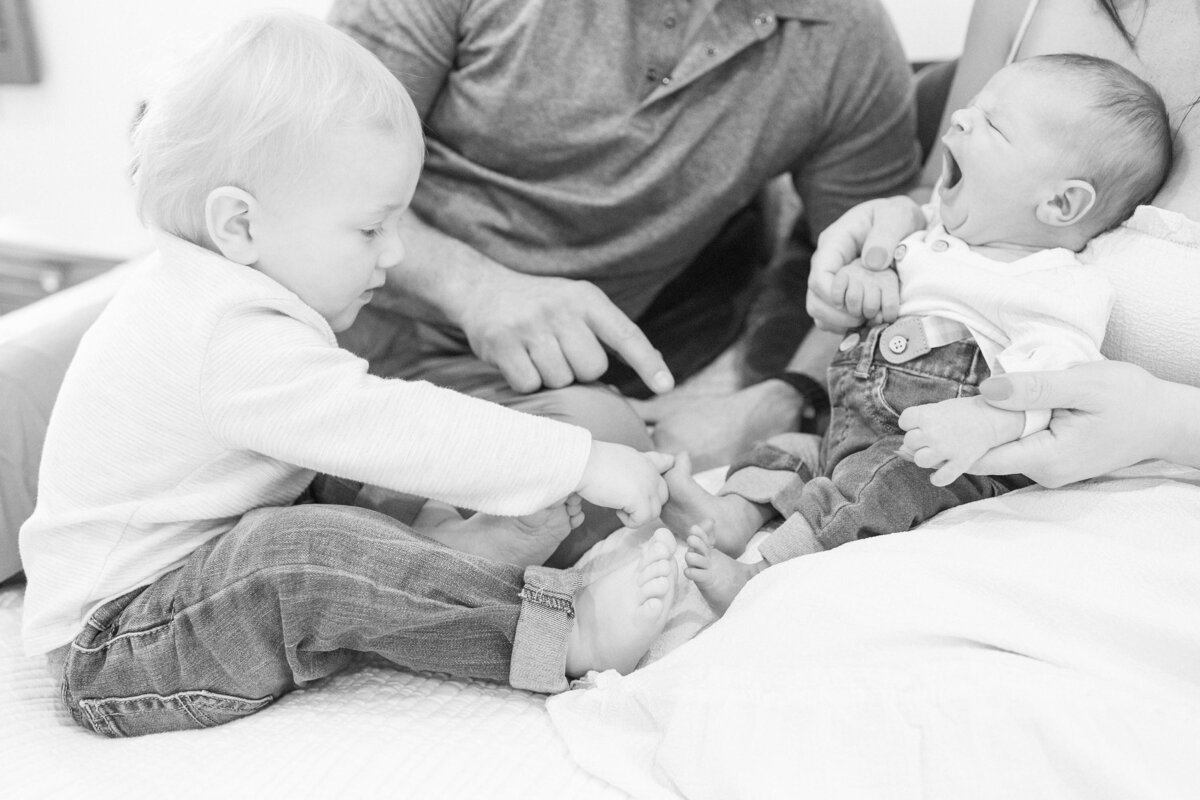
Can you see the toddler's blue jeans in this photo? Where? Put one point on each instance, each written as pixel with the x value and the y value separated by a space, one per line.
pixel 292 595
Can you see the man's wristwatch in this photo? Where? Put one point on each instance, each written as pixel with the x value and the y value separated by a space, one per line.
pixel 816 398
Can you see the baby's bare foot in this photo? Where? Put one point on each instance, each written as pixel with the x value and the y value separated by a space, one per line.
pixel 525 541
pixel 734 518
pixel 718 577
pixel 622 607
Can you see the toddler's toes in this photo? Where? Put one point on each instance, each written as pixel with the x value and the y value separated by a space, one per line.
pixel 656 586
pixel 660 546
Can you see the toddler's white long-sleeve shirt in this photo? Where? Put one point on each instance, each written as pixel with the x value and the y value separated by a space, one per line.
pixel 206 390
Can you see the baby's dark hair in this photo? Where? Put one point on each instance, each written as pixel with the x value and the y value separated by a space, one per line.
pixel 1130 151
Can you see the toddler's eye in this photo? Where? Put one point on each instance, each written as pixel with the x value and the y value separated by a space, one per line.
pixel 371 233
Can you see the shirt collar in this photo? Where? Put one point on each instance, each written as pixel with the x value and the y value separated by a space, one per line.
pixel 177 252
pixel 808 10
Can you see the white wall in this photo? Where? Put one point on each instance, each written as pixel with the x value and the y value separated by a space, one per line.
pixel 932 30
pixel 63 142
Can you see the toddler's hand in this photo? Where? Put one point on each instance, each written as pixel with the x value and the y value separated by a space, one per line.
pixel 952 435
pixel 620 477
pixel 871 295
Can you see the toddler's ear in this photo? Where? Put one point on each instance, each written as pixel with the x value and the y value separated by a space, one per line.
pixel 1073 200
pixel 227 212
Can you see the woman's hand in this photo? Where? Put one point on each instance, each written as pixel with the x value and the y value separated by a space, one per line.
pixel 871 230
pixel 1106 415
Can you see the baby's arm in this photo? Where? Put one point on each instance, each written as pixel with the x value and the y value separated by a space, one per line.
pixel 952 435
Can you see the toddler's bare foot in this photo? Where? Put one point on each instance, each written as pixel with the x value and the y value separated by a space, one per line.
pixel 734 518
pixel 718 577
pixel 525 541
pixel 623 608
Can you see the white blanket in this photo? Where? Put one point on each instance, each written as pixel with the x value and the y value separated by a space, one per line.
pixel 371 731
pixel 367 732
pixel 1042 644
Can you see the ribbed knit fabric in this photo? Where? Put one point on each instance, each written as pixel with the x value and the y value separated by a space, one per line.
pixel 205 390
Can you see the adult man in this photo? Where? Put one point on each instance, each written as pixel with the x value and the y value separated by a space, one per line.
pixel 591 176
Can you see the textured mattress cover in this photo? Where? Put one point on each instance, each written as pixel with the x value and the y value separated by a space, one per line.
pixel 372 731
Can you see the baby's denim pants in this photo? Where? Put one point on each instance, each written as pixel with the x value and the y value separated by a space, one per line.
pixel 291 595
pixel 862 487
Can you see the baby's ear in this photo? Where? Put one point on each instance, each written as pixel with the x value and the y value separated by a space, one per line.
pixel 1072 201
pixel 227 213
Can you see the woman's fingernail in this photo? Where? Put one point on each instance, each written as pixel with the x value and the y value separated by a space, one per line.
pixel 996 388
pixel 663 381
pixel 875 257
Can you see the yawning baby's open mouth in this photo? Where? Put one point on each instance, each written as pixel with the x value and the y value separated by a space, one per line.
pixel 951 172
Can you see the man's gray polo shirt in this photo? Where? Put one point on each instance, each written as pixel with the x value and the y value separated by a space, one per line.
pixel 611 139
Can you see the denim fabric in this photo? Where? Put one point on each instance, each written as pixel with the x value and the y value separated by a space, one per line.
pixel 290 596
pixel 864 488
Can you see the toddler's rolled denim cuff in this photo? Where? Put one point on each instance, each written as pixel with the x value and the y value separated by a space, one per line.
pixel 539 654
pixel 792 539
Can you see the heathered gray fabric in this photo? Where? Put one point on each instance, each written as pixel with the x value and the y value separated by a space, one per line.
pixel 553 151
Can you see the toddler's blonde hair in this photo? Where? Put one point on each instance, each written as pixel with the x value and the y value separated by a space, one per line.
pixel 252 105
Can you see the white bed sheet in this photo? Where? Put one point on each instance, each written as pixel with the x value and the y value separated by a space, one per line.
pixel 372 731
pixel 901 667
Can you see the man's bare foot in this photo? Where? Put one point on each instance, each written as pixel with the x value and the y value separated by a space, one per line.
pixel 525 541
pixel 715 430
pixel 734 518
pixel 622 607
pixel 718 577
